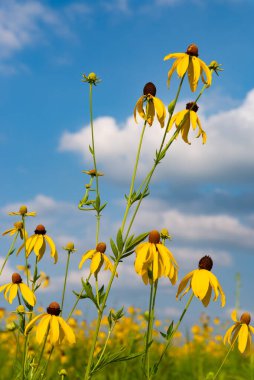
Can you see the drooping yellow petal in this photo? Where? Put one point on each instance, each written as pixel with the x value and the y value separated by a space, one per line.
pixel 227 336
pixel 7 289
pixel 207 298
pixel 172 121
pixel 69 334
pixel 200 283
pixel 27 294
pixel 165 258
pixel 107 262
pixel 234 316
pixel 150 112
pixel 86 256
pixel 243 337
pixel 174 55
pixel 30 325
pixel 180 116
pixel 39 245
pixel 3 287
pixel 144 275
pixel 155 264
pixel 143 256
pixel 54 329
pixel 185 128
pixel 193 119
pixel 13 292
pixel 96 262
pixel 139 108
pixel 8 231
pixel 31 241
pixel 53 251
pixel 193 73
pixel 182 65
pixel 160 110
pixel 42 328
pixel 184 282
pixel 207 71
pixel 171 71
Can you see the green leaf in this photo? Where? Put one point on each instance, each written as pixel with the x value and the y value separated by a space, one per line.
pixel 170 330
pixel 97 202
pixel 163 334
pixel 91 149
pixel 83 296
pixel 114 248
pixel 103 206
pixel 119 240
pixel 136 241
pixel 12 251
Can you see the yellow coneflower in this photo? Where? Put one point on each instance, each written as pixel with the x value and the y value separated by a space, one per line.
pixel 241 330
pixel 37 243
pixel 44 280
pixel 18 227
pixel 23 212
pixel 154 260
pixel 202 282
pixel 11 290
pixel 25 269
pixel 153 105
pixel 98 258
pixel 93 173
pixel 185 119
pixel 53 325
pixel 189 62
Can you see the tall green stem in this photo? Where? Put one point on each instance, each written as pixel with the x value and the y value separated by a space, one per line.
pixel 133 178
pixel 25 248
pixel 98 216
pixel 78 299
pixel 98 324
pixel 9 252
pixel 65 280
pixel 225 358
pixel 176 328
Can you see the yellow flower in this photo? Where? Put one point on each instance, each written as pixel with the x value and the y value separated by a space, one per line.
pixel 18 228
pixel 190 62
pixel 241 330
pixel 44 280
pixel 184 119
pixel 154 260
pixel 202 282
pixel 25 269
pixel 23 212
pixel 15 286
pixel 98 258
pixel 37 243
pixel 152 104
pixel 93 173
pixel 53 325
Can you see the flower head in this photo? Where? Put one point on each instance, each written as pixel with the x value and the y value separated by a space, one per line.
pixel 152 104
pixel 189 62
pixel 154 260
pixel 202 282
pixel 241 330
pixel 53 325
pixel 185 118
pixel 25 269
pixel 37 243
pixel 69 247
pixel 98 258
pixel 18 227
pixel 11 290
pixel 93 173
pixel 23 212
pixel 44 280
pixel 91 79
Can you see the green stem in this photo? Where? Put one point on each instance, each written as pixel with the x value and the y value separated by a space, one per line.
pixel 149 334
pixel 42 350
pixel 98 324
pixel 176 328
pixel 77 300
pixel 25 239
pixel 104 347
pixel 10 251
pixel 97 290
pixel 133 178
pixel 47 364
pixel 65 280
pixel 226 356
pixel 98 216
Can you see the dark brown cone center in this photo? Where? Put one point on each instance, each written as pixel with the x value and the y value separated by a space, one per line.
pixel 149 88
pixel 245 318
pixel 40 230
pixel 101 247
pixel 16 278
pixel 205 263
pixel 154 237
pixel 192 50
pixel 193 106
pixel 54 309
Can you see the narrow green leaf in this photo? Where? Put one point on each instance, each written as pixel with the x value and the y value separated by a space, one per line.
pixel 119 240
pixel 114 248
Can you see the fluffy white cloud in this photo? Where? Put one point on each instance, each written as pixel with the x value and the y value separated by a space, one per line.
pixel 227 155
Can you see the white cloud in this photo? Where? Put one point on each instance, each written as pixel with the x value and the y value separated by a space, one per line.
pixel 227 155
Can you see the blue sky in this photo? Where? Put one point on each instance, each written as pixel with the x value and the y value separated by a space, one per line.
pixel 202 194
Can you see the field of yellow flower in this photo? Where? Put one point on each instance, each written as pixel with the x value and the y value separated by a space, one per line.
pixel 44 343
